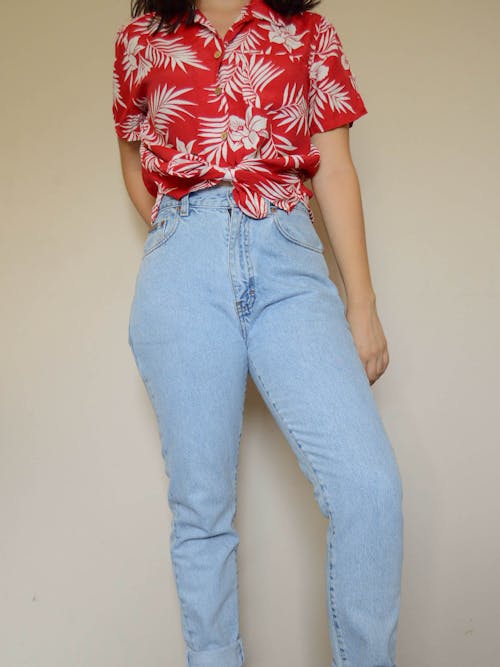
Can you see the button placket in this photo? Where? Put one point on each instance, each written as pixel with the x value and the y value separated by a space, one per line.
pixel 217 54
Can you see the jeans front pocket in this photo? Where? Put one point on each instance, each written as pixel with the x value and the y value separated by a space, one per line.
pixel 297 227
pixel 164 226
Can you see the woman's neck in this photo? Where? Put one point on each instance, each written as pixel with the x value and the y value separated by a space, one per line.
pixel 221 6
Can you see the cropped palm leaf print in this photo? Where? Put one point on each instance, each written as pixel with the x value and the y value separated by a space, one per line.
pixel 243 106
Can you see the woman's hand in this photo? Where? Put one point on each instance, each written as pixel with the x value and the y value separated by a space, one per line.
pixel 369 337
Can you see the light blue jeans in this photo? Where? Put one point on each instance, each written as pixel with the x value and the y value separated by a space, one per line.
pixel 219 295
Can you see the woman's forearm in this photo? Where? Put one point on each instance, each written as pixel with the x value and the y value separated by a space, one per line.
pixel 337 192
pixel 134 183
pixel 141 198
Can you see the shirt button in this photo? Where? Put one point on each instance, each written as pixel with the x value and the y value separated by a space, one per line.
pixel 217 54
pixel 218 90
pixel 224 135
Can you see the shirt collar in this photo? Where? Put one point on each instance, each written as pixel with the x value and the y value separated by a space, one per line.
pixel 254 9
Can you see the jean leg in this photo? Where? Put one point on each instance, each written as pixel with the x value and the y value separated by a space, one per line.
pixel 304 362
pixel 188 348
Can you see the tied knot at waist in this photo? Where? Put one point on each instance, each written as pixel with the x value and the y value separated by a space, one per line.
pixel 188 165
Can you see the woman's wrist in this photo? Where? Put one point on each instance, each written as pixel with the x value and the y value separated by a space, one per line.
pixel 364 298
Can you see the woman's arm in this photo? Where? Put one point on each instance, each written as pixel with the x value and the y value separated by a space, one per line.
pixel 336 188
pixel 132 176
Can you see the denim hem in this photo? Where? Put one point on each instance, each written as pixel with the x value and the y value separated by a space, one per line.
pixel 231 655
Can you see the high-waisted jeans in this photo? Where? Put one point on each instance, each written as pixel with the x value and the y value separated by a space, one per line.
pixel 219 295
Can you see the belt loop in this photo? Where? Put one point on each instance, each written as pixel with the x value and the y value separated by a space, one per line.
pixel 184 205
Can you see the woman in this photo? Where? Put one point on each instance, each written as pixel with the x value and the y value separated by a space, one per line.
pixel 222 109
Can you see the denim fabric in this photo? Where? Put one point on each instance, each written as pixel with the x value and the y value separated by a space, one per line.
pixel 219 295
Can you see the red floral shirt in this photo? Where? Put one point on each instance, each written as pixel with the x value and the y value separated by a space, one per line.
pixel 242 107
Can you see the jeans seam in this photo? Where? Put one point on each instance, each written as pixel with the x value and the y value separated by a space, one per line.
pixel 331 528
pixel 235 492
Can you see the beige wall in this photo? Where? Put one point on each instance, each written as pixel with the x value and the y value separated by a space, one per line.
pixel 86 578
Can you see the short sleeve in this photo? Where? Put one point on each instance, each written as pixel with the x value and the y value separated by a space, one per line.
pixel 129 90
pixel 334 99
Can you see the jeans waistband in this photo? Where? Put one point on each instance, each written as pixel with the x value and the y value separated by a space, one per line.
pixel 216 196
